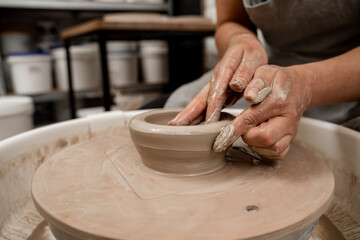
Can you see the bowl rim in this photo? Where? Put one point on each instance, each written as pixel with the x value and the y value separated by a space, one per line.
pixel 139 124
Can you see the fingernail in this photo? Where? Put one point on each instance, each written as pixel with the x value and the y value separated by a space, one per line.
pixel 224 139
pixel 253 93
pixel 239 84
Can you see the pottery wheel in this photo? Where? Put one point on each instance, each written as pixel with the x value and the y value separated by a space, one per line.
pixel 99 189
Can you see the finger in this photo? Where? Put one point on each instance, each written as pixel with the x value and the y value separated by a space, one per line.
pixel 198 120
pixel 283 147
pixel 232 98
pixel 193 110
pixel 269 133
pixel 274 105
pixel 219 84
pixel 247 119
pixel 261 85
pixel 244 73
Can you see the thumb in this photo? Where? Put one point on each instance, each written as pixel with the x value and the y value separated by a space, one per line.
pixel 249 118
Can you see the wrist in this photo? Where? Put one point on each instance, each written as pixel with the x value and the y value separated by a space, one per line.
pixel 242 37
pixel 305 78
pixel 228 31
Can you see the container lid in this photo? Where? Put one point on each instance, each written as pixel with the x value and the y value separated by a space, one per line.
pixel 28 57
pixel 121 46
pixel 12 105
pixel 32 53
pixel 56 45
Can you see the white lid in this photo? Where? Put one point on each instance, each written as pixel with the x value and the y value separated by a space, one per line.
pixel 12 105
pixel 118 46
pixel 76 52
pixel 29 58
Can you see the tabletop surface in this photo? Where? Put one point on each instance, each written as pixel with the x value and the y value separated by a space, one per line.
pixel 140 22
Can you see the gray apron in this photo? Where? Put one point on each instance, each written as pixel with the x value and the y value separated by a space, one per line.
pixel 303 31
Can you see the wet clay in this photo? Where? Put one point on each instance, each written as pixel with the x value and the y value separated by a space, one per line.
pixel 184 150
pixel 101 189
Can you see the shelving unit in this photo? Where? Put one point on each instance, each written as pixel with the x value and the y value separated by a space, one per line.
pixel 85 6
pixel 174 30
pixel 24 14
pixel 60 95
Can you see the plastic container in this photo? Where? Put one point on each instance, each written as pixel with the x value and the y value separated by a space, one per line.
pixel 122 62
pixel 14 42
pixel 154 61
pixel 84 65
pixel 114 47
pixel 2 80
pixel 30 72
pixel 15 115
pixel 146 1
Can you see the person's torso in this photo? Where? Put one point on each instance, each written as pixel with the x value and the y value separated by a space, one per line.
pixel 300 31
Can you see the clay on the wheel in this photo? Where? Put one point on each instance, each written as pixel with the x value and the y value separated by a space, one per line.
pixel 185 150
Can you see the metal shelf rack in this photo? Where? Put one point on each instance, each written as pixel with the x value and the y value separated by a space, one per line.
pixel 85 5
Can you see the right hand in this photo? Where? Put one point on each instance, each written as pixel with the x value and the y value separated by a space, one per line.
pixel 229 79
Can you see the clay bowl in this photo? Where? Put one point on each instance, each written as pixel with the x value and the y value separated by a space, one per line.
pixel 184 150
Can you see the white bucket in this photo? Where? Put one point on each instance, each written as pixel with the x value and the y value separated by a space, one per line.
pixel 30 73
pixel 123 69
pixel 146 1
pixel 121 47
pixel 15 115
pixel 122 63
pixel 154 61
pixel 14 42
pixel 84 65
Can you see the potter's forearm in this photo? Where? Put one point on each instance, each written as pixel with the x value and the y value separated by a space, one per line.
pixel 232 20
pixel 334 80
pixel 228 32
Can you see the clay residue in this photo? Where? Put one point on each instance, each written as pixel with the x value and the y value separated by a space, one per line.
pixel 21 226
pixel 225 138
pixel 326 230
pixel 74 140
pixel 18 216
pixel 340 217
pixel 215 115
pixel 41 232
pixel 281 92
pixel 343 213
pixel 61 143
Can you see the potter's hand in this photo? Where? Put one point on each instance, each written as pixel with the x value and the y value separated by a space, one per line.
pixel 230 77
pixel 270 126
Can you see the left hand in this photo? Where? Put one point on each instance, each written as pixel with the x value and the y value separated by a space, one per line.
pixel 280 95
pixel 228 81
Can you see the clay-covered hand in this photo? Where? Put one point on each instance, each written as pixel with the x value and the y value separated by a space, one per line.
pixel 269 127
pixel 229 79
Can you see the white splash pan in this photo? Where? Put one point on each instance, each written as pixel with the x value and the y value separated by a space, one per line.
pixel 21 155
